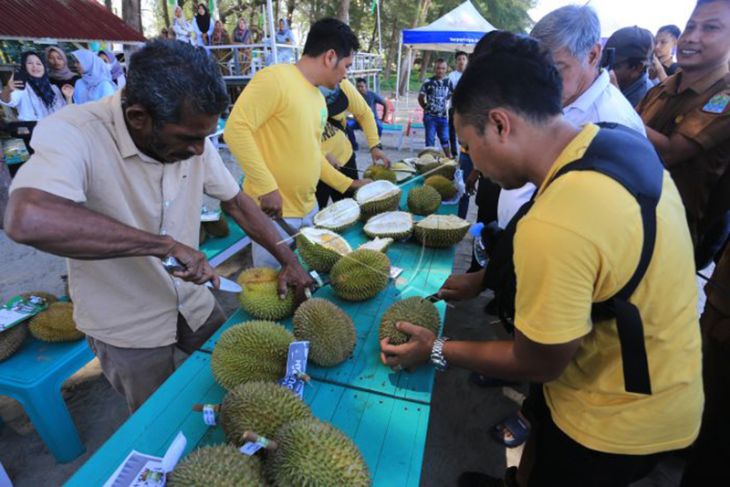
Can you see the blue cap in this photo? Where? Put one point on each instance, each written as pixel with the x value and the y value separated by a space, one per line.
pixel 476 229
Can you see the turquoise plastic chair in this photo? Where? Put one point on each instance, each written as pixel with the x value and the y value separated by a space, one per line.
pixel 34 376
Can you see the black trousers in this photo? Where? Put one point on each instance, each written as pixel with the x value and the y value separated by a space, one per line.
pixel 452 135
pixel 486 200
pixel 561 461
pixel 324 192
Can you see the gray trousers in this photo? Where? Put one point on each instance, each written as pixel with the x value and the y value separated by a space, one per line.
pixel 262 258
pixel 136 373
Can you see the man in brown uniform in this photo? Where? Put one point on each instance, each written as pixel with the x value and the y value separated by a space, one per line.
pixel 688 116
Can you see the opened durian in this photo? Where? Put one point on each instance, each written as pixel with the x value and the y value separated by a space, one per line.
pixel 217 466
pixel 397 225
pixel 55 324
pixel 445 187
pixel 378 244
pixel 251 351
pixel 329 330
pixel 377 197
pixel 11 340
pixel 402 170
pixel 377 172
pixel 321 248
pixel 417 311
pixel 313 453
pixel 441 230
pixel 360 275
pixel 260 294
pixel 423 200
pixel 260 407
pixel 446 168
pixel 338 216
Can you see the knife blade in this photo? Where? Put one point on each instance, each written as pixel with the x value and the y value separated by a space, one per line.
pixel 171 264
pixel 290 230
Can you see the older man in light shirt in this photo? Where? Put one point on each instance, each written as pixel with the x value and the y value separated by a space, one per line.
pixel 573 35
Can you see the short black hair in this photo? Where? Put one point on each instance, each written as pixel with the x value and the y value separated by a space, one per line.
pixel 330 33
pixel 670 29
pixel 510 71
pixel 166 76
pixel 440 61
pixel 460 53
pixel 361 80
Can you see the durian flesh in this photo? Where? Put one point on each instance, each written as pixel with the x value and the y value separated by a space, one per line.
pixel 377 197
pixel 321 248
pixel 378 244
pixel 397 225
pixel 338 216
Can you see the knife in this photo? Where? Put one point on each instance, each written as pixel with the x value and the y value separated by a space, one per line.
pixel 171 264
pixel 290 230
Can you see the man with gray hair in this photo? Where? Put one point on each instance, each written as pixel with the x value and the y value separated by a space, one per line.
pixel 573 36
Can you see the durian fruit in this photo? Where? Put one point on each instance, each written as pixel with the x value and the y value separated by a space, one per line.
pixel 441 230
pixel 313 453
pixel 446 169
pixel 217 466
pixel 360 275
pixel 418 311
pixel 11 340
pixel 423 200
pixel 378 244
pixel 446 188
pixel 251 351
pixel 55 324
pixel 402 170
pixel 377 197
pixel 260 295
pixel 321 248
pixel 377 172
pixel 338 216
pixel 260 407
pixel 433 152
pixel 397 225
pixel 47 297
pixel 329 330
pixel 218 228
pixel 202 236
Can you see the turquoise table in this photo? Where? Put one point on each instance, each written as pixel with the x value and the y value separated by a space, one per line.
pixel 218 250
pixel 385 413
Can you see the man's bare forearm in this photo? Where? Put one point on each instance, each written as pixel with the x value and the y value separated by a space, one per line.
pixel 258 226
pixel 59 226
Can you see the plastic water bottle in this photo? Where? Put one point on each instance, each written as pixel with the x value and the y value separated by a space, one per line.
pixel 480 251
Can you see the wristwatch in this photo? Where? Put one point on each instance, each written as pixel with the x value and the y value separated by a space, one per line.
pixel 377 146
pixel 437 354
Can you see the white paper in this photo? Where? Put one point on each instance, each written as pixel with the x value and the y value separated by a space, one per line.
pixel 173 454
pixel 131 469
pixel 8 317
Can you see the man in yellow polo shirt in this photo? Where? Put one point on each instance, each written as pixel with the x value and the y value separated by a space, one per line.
pixel 275 130
pixel 610 399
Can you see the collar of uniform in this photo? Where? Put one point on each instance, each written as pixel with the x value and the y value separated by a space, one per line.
pixel 701 85
pixel 127 147
pixel 571 152
pixel 589 97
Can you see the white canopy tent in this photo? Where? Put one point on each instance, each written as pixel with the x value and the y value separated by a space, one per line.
pixel 458 30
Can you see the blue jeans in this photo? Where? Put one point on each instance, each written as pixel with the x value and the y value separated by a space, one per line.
pixel 466 167
pixel 436 126
pixel 353 125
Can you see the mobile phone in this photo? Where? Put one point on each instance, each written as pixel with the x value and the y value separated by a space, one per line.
pixel 19 75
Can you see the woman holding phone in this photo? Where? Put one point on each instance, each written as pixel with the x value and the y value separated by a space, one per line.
pixel 31 93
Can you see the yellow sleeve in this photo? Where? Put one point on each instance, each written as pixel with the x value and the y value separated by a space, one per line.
pixel 362 113
pixel 257 104
pixel 334 178
pixel 556 271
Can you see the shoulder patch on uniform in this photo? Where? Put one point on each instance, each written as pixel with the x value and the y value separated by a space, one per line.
pixel 717 103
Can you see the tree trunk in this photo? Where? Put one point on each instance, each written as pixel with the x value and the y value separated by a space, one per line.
pixel 421 13
pixel 166 13
pixel 392 48
pixel 425 63
pixel 343 11
pixel 373 37
pixel 4 186
pixel 131 14
pixel 290 4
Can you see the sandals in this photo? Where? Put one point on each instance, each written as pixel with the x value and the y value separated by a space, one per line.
pixel 512 431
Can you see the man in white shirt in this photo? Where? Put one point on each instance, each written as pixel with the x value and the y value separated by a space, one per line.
pixel 573 36
pixel 461 60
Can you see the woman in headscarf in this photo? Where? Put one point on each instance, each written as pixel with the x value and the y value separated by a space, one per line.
pixel 117 71
pixel 96 79
pixel 284 35
pixel 58 72
pixel 221 38
pixel 181 27
pixel 32 94
pixel 203 26
pixel 242 35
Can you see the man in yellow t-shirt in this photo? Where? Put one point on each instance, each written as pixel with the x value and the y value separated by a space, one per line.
pixel 335 142
pixel 275 130
pixel 578 245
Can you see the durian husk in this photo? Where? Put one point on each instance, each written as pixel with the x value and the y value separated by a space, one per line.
pixel 260 407
pixel 218 466
pixel 397 225
pixel 55 324
pixel 386 198
pixel 321 248
pixel 360 275
pixel 313 453
pixel 377 172
pixel 251 351
pixel 329 330
pixel 446 188
pixel 415 310
pixel 260 294
pixel 441 231
pixel 423 200
pixel 11 340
